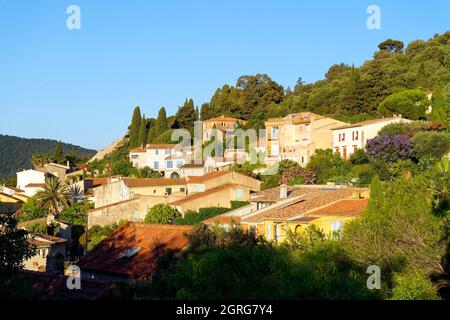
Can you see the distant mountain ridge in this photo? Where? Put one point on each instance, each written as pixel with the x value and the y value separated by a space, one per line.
pixel 15 152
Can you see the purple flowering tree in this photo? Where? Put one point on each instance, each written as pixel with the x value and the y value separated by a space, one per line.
pixel 390 149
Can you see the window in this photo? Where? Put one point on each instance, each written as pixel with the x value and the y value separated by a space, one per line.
pixel 134 156
pixel 269 232
pixel 341 136
pixel 239 194
pixel 168 151
pixel 179 164
pixel 336 227
pixel 157 152
pixel 169 191
pixel 274 132
pixel 182 189
pixel 156 165
pixel 278 232
pixel 170 164
pixel 224 124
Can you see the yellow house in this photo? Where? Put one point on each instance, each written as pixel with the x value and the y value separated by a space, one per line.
pixel 329 219
pixel 326 208
pixel 297 136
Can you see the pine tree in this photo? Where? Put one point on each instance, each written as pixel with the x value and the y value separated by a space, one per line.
pixel 206 112
pixel 142 132
pixel 421 77
pixel 134 128
pixel 186 115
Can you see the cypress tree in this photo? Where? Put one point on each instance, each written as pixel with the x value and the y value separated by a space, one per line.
pixel 142 132
pixel 161 122
pixel 134 128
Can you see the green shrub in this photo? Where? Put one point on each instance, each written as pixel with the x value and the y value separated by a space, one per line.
pixel 30 211
pixel 434 144
pixel 413 285
pixel 161 214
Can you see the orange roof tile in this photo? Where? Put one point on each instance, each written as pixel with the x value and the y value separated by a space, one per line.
pixel 224 119
pixel 206 177
pixel 152 182
pixel 347 208
pixel 314 199
pixel 161 146
pixel 133 249
pixel 200 195
pixel 137 150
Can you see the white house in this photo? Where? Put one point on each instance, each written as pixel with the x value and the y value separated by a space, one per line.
pixel 349 138
pixel 165 158
pixel 31 181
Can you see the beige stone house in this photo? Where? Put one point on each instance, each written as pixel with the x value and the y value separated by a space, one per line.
pixel 222 125
pixel 119 189
pixel 50 254
pixel 297 136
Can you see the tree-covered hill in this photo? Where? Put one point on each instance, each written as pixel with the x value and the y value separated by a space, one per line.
pixel 15 152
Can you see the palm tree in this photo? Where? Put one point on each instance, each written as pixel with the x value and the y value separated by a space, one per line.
pixel 54 197
pixel 440 185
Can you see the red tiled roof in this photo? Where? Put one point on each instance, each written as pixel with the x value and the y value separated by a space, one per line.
pixel 206 177
pixel 137 150
pixel 152 182
pixel 314 199
pixel 143 243
pixel 347 208
pixel 193 165
pixel 97 181
pixel 50 238
pixel 200 195
pixel 161 146
pixel 224 119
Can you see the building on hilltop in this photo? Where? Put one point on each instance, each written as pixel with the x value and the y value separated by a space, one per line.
pixel 349 138
pixel 297 136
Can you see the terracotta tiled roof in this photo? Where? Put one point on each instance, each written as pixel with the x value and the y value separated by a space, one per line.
pixel 137 150
pixel 367 122
pixel 43 240
pixel 193 165
pixel 314 199
pixel 35 185
pixel 207 177
pixel 96 182
pixel 133 249
pixel 152 182
pixel 161 146
pixel 224 119
pixel 345 208
pixel 306 219
pixel 200 195
pixel 273 194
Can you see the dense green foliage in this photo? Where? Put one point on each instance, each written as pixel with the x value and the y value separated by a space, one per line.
pixel 161 214
pixel 97 234
pixel 20 152
pixel 195 217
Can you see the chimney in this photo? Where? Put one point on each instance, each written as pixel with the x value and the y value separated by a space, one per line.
pixel 283 192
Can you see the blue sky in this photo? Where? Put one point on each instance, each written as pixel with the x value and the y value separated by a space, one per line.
pixel 80 86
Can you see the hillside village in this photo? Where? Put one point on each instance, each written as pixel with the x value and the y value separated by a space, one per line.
pixel 313 186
